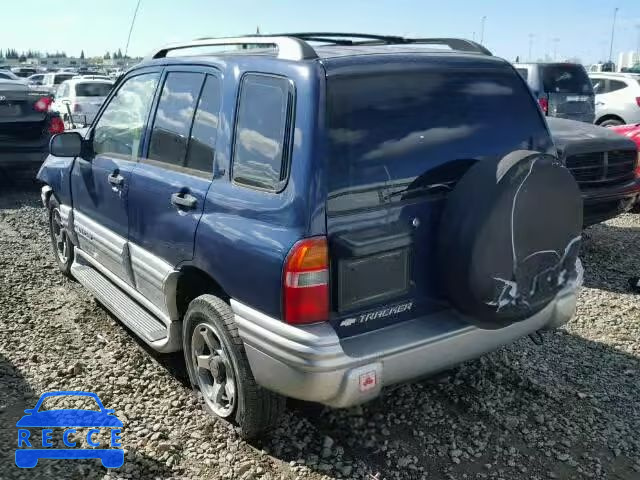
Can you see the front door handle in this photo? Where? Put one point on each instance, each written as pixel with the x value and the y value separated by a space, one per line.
pixel 116 179
pixel 183 200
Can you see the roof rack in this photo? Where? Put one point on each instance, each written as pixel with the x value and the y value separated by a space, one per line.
pixel 295 46
pixel 459 44
pixel 289 48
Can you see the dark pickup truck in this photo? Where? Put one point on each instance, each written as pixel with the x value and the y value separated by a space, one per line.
pixel 26 126
pixel 603 162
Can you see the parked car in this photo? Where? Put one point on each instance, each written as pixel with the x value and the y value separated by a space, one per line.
pixel 291 219
pixel 617 98
pixel 8 75
pixel 632 132
pixel 24 72
pixel 51 81
pixel 562 89
pixel 26 126
pixel 78 100
pixel 604 165
pixel 36 80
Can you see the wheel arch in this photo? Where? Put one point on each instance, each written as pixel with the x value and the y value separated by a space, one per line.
pixel 609 116
pixel 193 282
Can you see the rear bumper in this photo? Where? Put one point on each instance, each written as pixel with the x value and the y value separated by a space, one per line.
pixel 601 205
pixel 23 159
pixel 314 364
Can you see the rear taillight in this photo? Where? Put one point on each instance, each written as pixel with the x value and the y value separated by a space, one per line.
pixel 56 125
pixel 638 101
pixel 77 108
pixel 306 282
pixel 544 104
pixel 42 104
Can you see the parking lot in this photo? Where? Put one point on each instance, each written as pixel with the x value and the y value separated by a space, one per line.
pixel 569 408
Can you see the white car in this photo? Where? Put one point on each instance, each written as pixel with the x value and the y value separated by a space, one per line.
pixel 79 100
pixel 617 98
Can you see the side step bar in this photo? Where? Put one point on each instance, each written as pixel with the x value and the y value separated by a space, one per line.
pixel 144 324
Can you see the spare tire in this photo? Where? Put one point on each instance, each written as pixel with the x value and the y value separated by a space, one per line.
pixel 509 237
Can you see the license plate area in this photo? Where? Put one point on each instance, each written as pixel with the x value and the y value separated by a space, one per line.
pixel 371 266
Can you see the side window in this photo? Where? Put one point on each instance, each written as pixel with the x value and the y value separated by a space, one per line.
pixel 524 73
pixel 170 135
pixel 616 85
pixel 202 146
pixel 259 154
pixel 599 85
pixel 120 128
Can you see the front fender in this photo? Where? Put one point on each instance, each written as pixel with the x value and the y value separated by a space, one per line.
pixel 56 173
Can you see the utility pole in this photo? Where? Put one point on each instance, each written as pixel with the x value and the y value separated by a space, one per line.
pixel 484 19
pixel 531 35
pixel 638 49
pixel 613 30
pixel 555 48
pixel 126 48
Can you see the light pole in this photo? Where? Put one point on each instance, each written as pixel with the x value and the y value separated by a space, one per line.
pixel 126 48
pixel 613 30
pixel 638 50
pixel 531 35
pixel 484 19
pixel 555 48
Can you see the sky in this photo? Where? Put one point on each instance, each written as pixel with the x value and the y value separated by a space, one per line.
pixel 575 28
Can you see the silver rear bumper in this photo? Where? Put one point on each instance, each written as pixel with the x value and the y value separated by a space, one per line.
pixel 313 363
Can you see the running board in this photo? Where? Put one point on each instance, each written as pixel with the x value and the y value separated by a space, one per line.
pixel 128 311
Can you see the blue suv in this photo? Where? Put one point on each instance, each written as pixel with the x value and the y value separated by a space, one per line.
pixel 317 215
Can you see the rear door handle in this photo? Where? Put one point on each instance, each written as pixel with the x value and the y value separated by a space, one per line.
pixel 116 179
pixel 183 200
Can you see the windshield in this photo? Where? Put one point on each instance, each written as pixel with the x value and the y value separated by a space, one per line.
pixel 565 78
pixel 93 89
pixel 388 129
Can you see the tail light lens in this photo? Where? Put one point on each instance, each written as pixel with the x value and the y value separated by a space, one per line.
pixel 306 282
pixel 544 104
pixel 42 104
pixel 77 108
pixel 56 125
pixel 638 101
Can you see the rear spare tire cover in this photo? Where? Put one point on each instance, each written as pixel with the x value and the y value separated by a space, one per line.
pixel 509 237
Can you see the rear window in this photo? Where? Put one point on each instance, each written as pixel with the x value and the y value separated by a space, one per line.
pixel 58 79
pixel 565 79
pixel 93 89
pixel 386 131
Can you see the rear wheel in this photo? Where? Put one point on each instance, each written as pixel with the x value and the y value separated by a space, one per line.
pixel 611 122
pixel 60 241
pixel 219 370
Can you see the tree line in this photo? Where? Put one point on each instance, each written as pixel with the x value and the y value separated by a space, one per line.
pixel 12 53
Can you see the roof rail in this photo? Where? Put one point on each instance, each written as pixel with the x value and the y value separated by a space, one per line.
pixel 459 44
pixel 289 47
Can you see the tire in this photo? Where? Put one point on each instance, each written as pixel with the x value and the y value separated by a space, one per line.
pixel 60 241
pixel 253 410
pixel 509 238
pixel 611 122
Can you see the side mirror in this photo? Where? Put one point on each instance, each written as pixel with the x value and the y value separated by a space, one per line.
pixel 29 411
pixel 67 144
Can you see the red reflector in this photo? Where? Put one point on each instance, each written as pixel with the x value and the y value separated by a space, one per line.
pixel 42 104
pixel 77 107
pixel 306 282
pixel 56 125
pixel 544 104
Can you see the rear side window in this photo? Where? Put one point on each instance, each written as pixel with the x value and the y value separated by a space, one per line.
pixel 599 85
pixel 566 78
pixel 202 146
pixel 392 131
pixel 524 73
pixel 93 89
pixel 58 79
pixel 170 134
pixel 616 85
pixel 261 143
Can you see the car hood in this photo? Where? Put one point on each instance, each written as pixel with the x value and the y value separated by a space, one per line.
pixel 572 137
pixel 69 418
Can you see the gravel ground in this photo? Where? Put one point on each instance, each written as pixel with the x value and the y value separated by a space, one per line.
pixel 569 408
